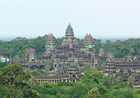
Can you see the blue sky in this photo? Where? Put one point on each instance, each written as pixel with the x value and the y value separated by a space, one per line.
pixel 101 18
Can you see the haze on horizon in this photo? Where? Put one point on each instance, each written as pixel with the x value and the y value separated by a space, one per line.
pixel 101 18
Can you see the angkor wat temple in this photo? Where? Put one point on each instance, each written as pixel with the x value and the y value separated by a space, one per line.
pixel 69 52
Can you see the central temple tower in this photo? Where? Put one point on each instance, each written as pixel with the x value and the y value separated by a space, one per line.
pixel 69 37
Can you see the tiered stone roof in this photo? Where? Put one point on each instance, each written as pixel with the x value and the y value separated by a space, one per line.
pixel 88 40
pixel 50 40
pixel 69 36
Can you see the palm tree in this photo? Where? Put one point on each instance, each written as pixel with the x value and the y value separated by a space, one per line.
pixel 131 79
pixel 73 64
pixel 18 61
pixel 63 64
pixel 28 70
pixel 80 69
pixel 87 65
pixel 10 51
pixel 92 68
pixel 32 82
pixel 59 71
pixel 48 65
pixel 21 60
pixel 45 73
pixel 120 78
pixel 132 50
pixel 30 63
pixel 102 66
pixel 38 63
pixel 48 62
pixel 98 67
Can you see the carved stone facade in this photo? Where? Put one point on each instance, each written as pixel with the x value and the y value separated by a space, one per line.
pixel 110 68
pixel 69 52
pixel 69 37
pixel 110 71
pixel 72 76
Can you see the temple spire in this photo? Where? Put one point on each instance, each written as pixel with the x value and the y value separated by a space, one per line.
pixel 50 40
pixel 69 31
pixel 69 27
pixel 69 36
pixel 88 40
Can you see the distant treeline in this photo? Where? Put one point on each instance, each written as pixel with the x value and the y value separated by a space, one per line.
pixel 19 45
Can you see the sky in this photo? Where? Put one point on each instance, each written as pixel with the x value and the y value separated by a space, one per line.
pixel 100 18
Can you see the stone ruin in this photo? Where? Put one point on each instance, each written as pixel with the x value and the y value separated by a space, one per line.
pixel 69 52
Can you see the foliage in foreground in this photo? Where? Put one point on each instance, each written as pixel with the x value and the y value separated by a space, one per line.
pixel 93 84
pixel 13 81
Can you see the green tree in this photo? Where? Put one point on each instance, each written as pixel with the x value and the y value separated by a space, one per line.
pixel 92 68
pixel 132 51
pixel 63 64
pixel 38 63
pixel 48 64
pixel 90 79
pixel 48 84
pixel 106 81
pixel 10 51
pixel 120 78
pixel 73 64
pixel 32 81
pixel 80 69
pixel 3 64
pixel 36 73
pixel 30 63
pixel 18 61
pixel 59 71
pixel 131 79
pixel 12 77
pixel 80 89
pixel 98 67
pixel 93 93
pixel 87 65
pixel 102 66
pixel 28 70
pixel 108 41
pixel 45 72
pixel 94 50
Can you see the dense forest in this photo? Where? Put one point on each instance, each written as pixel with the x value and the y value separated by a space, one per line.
pixel 19 45
pixel 16 83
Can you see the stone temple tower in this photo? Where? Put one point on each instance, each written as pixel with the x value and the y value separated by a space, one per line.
pixel 30 54
pixel 102 52
pixel 50 42
pixel 110 68
pixel 69 37
pixel 88 40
